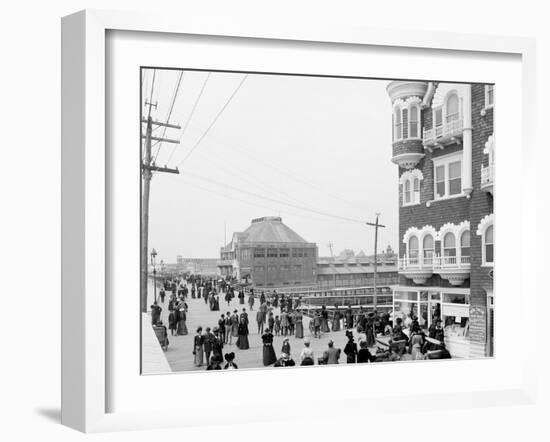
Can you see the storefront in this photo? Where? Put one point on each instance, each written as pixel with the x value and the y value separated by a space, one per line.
pixel 451 305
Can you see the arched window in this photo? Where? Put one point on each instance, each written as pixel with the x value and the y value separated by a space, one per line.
pixel 397 124
pixel 451 108
pixel 465 244
pixel 416 190
pixel 449 244
pixel 414 121
pixel 428 249
pixel 407 192
pixel 413 248
pixel 488 246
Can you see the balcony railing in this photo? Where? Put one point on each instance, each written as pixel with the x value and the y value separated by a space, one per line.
pixel 224 262
pixel 444 132
pixel 434 263
pixel 451 262
pixel 487 174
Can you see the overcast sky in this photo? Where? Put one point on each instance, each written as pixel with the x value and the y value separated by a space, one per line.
pixel 312 150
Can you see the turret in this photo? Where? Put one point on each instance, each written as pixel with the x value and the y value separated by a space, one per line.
pixel 406 98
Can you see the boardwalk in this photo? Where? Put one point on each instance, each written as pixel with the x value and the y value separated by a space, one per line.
pixel 180 351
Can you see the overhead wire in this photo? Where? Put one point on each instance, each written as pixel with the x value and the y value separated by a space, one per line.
pixel 213 121
pixel 296 206
pixel 288 173
pixel 184 129
pixel 270 208
pixel 246 175
pixel 173 101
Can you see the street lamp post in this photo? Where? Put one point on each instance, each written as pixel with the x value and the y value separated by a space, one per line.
pixel 153 256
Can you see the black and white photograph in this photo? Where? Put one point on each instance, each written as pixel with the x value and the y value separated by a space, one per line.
pixel 302 220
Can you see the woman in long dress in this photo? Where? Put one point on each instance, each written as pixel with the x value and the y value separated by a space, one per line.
pixel 269 356
pixel 228 297
pixel 299 325
pixel 241 297
pixel 324 320
pixel 242 340
pixel 198 348
pixel 251 300
pixel 336 320
pixel 182 326
pixel 234 326
pixel 370 330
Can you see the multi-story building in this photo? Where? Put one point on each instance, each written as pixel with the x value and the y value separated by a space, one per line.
pixel 269 254
pixel 443 143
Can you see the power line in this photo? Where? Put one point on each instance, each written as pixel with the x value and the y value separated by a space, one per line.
pixel 174 98
pixel 190 115
pixel 151 96
pixel 288 173
pixel 296 206
pixel 213 122
pixel 246 175
pixel 231 197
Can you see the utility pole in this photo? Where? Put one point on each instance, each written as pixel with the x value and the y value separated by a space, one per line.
pixel 147 169
pixel 332 256
pixel 376 226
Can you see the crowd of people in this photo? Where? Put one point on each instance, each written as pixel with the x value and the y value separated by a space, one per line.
pixel 379 339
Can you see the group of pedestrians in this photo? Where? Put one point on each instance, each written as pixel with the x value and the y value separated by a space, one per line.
pixel 233 328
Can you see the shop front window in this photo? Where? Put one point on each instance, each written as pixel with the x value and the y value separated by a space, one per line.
pixel 456 315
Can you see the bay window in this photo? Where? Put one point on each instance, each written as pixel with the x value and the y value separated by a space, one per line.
pixel 397 124
pixel 414 117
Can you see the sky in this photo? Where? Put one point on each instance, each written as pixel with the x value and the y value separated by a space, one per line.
pixel 315 151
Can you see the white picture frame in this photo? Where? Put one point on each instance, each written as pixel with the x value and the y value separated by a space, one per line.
pixel 85 199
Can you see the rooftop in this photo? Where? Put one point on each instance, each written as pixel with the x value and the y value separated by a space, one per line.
pixel 269 229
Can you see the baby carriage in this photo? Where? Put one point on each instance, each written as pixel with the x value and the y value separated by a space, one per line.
pixel 162 336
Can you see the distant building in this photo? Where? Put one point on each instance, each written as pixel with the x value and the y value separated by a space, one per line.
pixel 269 254
pixel 197 266
pixel 357 271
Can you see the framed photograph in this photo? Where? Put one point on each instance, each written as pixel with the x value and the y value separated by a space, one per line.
pixel 309 208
